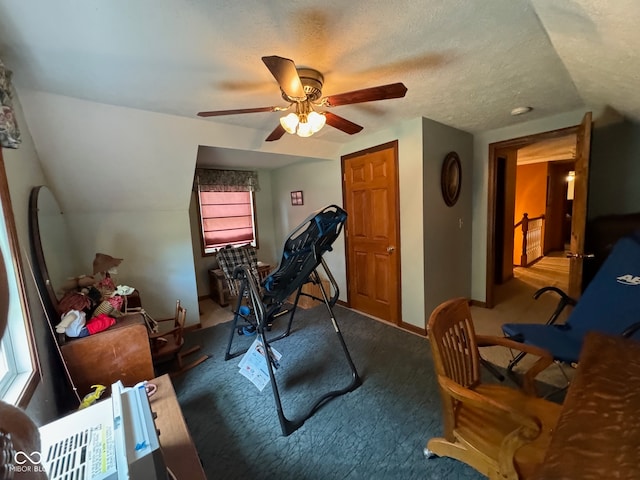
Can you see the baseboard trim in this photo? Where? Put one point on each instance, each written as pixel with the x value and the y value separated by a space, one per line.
pixel 413 329
pixel 191 328
pixel 401 326
pixel 477 303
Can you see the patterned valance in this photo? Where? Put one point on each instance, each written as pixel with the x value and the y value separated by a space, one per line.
pixel 213 180
pixel 9 132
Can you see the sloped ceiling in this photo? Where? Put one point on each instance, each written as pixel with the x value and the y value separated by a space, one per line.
pixel 465 64
pixel 553 149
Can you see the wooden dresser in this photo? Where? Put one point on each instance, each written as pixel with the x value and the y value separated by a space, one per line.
pixel 120 353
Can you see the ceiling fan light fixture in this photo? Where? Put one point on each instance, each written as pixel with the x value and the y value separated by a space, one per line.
pixel 302 89
pixel 316 120
pixel 304 129
pixel 304 122
pixel 290 122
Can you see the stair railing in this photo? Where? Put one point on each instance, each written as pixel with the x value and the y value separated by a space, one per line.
pixel 531 239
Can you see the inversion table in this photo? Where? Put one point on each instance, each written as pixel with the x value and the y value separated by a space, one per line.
pixel 301 257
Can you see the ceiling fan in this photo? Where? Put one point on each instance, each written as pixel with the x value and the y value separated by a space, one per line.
pixel 302 88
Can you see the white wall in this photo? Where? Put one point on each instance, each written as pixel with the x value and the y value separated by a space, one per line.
pixel 410 168
pixel 321 186
pixel 157 252
pixel 132 170
pixel 138 160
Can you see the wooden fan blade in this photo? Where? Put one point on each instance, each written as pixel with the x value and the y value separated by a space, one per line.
pixel 285 73
pixel 218 113
pixel 383 92
pixel 276 134
pixel 342 123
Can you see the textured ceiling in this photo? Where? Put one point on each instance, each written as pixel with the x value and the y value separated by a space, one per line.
pixel 465 63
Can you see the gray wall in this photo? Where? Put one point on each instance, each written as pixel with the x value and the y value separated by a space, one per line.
pixel 447 230
pixel 614 176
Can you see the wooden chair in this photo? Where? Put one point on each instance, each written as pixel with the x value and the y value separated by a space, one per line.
pixel 231 257
pixel 500 431
pixel 167 346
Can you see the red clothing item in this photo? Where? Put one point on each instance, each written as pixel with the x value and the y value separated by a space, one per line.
pixel 99 323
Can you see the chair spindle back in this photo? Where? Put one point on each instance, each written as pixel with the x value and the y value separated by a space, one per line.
pixel 455 351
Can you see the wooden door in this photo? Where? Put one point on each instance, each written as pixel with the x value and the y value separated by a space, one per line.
pixel 497 194
pixel 505 211
pixel 579 211
pixel 370 191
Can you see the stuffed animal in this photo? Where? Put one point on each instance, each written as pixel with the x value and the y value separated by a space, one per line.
pixel 78 283
pixel 71 323
pixel 73 301
pixel 107 308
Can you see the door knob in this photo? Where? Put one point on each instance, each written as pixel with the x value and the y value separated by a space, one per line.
pixel 580 255
pixel 391 249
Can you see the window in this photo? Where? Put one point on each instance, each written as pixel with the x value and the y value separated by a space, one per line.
pixel 227 218
pixel 227 207
pixel 5 368
pixel 18 362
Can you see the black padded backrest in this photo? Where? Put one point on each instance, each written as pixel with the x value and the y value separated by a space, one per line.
pixel 303 250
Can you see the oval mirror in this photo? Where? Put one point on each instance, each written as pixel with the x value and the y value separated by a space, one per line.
pixel 52 245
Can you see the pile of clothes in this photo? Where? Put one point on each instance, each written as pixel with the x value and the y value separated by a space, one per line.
pixel 91 304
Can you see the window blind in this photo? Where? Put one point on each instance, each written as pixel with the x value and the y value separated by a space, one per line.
pixel 227 218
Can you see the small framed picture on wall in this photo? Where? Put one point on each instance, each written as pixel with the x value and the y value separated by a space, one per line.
pixel 296 198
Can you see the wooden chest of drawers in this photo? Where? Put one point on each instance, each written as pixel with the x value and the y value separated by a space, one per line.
pixel 120 353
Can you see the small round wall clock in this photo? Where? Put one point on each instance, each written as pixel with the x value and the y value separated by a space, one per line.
pixel 451 178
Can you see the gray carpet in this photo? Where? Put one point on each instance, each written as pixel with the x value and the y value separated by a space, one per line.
pixel 377 431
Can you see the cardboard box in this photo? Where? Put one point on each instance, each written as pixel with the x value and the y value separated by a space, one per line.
pixel 311 289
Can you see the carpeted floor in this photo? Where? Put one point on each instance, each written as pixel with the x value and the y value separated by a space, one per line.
pixel 377 431
pixel 552 269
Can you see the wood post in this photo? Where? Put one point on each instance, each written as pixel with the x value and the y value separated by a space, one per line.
pixel 525 229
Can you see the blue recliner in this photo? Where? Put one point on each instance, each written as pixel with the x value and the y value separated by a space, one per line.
pixel 610 304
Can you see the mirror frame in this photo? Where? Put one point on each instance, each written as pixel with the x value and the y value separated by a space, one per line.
pixel 43 282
